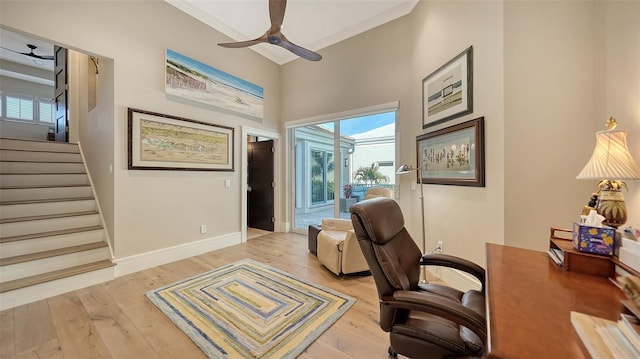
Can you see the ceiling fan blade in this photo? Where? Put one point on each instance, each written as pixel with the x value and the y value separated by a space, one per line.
pixel 17 52
pixel 276 13
pixel 42 57
pixel 300 51
pixel 243 43
pixel 30 54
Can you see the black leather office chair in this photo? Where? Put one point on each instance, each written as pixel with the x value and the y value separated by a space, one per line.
pixel 424 320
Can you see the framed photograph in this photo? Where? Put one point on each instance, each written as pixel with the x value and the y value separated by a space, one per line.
pixel 453 155
pixel 447 93
pixel 163 142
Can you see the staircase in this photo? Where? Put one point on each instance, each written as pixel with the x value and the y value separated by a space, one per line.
pixel 51 235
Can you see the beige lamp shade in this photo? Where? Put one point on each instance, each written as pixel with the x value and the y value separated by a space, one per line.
pixel 611 158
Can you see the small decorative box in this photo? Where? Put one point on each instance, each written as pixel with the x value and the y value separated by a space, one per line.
pixel 596 240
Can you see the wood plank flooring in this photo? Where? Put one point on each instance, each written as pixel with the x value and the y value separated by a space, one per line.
pixel 115 319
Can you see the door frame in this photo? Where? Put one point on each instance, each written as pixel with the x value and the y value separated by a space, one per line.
pixel 279 225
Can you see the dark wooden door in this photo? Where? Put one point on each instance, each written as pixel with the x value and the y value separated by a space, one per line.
pixel 260 195
pixel 60 97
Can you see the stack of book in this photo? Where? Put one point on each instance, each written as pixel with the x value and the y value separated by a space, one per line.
pixel 608 339
pixel 557 256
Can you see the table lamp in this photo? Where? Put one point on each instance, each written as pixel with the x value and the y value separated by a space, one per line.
pixel 409 169
pixel 611 163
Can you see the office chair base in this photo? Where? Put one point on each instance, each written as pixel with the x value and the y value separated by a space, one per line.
pixel 392 353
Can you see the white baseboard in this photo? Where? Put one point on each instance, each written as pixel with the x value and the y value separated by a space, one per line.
pixel 282 227
pixel 456 279
pixel 138 262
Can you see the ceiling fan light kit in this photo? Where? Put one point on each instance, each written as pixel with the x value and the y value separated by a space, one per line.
pixel 274 35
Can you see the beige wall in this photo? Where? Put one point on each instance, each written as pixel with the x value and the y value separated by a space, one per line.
pixel 151 209
pixel 388 64
pixel 563 79
pixel 464 218
pixel 546 74
pixel 550 110
pixel 619 83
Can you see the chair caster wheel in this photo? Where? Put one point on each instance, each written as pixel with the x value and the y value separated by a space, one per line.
pixel 392 353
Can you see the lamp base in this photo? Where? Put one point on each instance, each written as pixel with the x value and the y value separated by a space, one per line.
pixel 612 207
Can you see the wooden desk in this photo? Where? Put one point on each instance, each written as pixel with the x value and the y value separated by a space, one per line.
pixel 529 301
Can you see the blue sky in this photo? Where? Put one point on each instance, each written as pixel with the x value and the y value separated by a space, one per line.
pixel 363 124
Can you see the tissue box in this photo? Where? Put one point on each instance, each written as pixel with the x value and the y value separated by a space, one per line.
pixel 596 240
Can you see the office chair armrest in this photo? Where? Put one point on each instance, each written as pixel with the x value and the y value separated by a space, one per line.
pixel 445 260
pixel 441 307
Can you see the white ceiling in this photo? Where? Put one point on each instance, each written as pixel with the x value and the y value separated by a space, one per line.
pixel 313 24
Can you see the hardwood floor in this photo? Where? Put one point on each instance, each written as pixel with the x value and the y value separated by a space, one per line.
pixel 115 319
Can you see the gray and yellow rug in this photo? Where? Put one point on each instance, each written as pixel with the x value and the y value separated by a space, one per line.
pixel 248 309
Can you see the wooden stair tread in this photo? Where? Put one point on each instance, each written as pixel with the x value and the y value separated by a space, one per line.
pixel 46 216
pixel 62 145
pixel 43 173
pixel 36 161
pixel 50 233
pixel 51 253
pixel 50 276
pixel 52 200
pixel 43 186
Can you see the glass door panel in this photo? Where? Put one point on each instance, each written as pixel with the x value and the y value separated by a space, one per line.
pixel 363 142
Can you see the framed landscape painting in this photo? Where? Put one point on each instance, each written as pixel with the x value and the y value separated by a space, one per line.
pixel 195 81
pixel 447 93
pixel 453 155
pixel 163 142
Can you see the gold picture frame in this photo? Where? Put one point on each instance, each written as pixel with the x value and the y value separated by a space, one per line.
pixel 162 142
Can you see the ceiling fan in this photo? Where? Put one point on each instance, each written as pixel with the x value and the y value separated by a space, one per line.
pixel 274 36
pixel 31 53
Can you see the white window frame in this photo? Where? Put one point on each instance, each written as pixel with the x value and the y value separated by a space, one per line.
pixel 35 109
pixel 42 100
pixel 21 98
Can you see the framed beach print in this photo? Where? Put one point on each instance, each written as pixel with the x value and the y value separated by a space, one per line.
pixel 453 155
pixel 447 93
pixel 163 142
pixel 200 83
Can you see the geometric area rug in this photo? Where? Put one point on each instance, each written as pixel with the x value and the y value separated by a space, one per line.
pixel 248 309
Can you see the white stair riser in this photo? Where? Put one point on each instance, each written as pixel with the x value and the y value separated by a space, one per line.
pixel 41 167
pixel 36 194
pixel 49 180
pixel 47 225
pixel 47 208
pixel 13 144
pixel 11 155
pixel 34 245
pixel 39 266
pixel 41 291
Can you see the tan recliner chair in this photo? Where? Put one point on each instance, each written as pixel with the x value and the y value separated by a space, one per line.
pixel 338 248
pixel 375 192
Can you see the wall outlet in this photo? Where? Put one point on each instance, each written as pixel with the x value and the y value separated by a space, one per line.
pixel 439 247
pixel 203 229
pixel 227 183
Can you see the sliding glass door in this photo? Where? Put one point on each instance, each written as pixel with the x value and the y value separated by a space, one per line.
pixel 356 153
